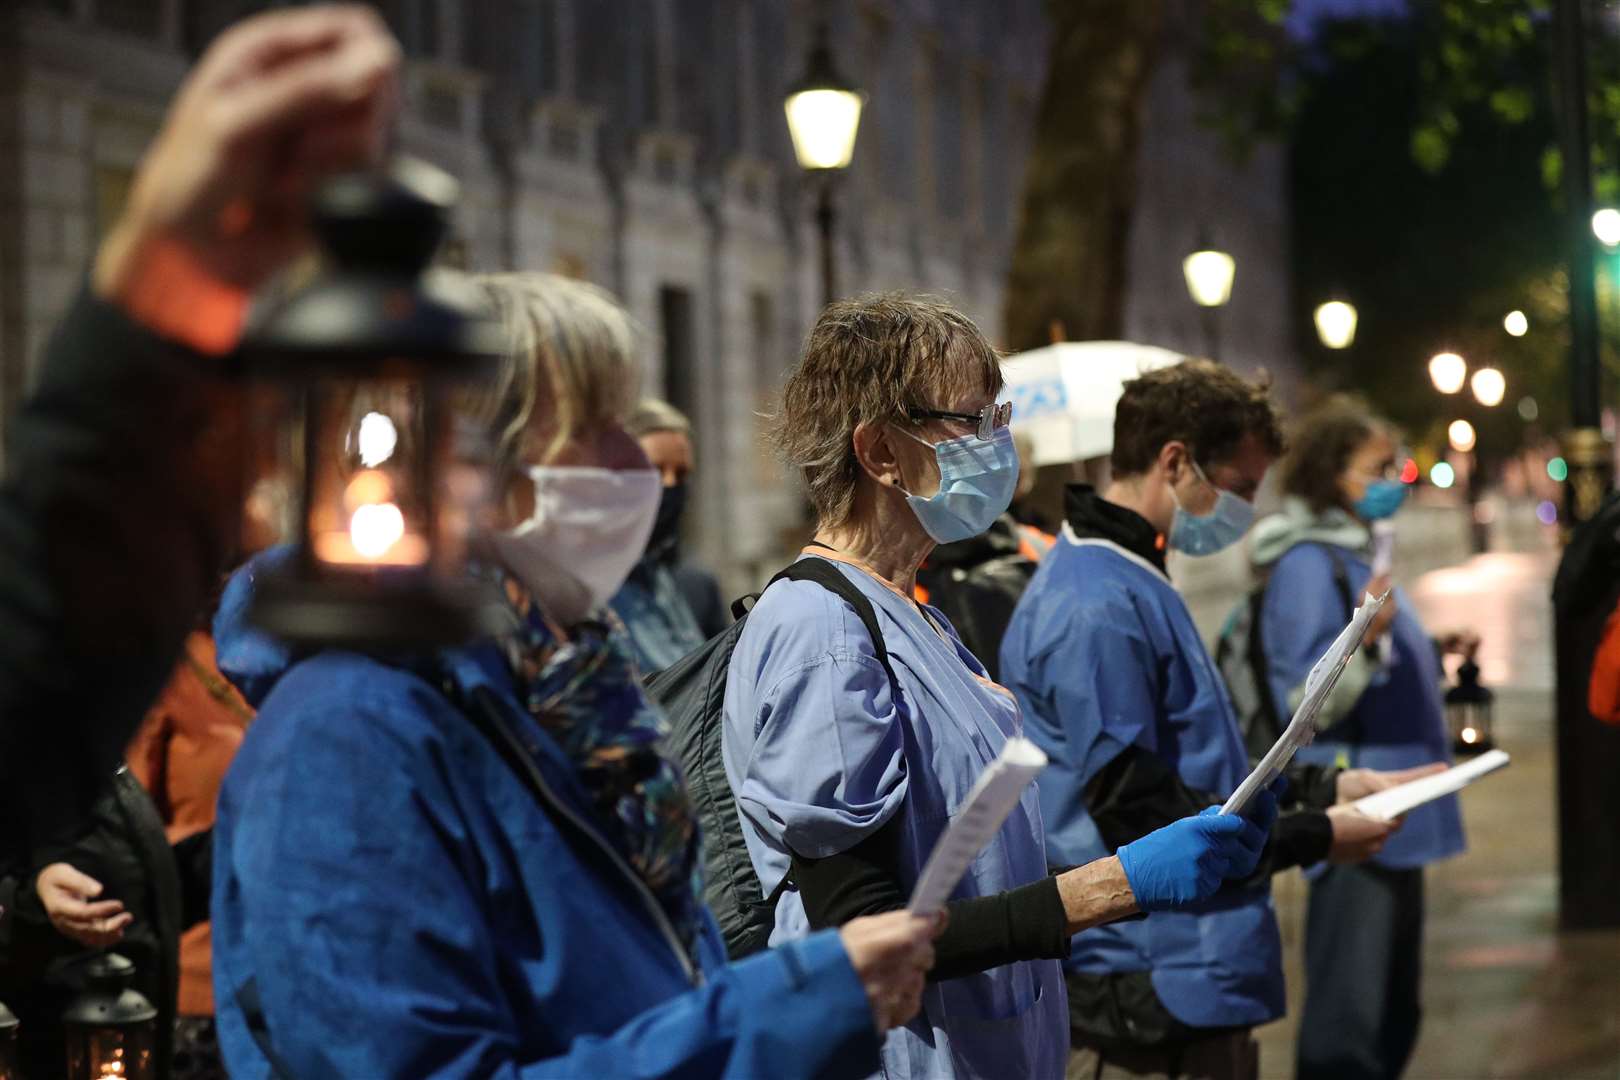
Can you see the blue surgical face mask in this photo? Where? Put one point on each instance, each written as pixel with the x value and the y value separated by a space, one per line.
pixel 1194 534
pixel 1381 499
pixel 976 484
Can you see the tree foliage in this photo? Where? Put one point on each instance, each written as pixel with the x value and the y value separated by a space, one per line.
pixel 1424 175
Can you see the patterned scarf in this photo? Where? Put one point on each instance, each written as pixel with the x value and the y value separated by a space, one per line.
pixel 585 692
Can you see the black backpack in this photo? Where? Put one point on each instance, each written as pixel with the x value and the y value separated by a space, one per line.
pixel 692 693
pixel 1240 657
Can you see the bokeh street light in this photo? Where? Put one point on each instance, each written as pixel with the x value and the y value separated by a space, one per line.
pixel 1516 323
pixel 823 117
pixel 1528 409
pixel 1336 323
pixel 1448 372
pixel 1489 386
pixel 1461 435
pixel 1606 226
pixel 1442 475
pixel 1209 272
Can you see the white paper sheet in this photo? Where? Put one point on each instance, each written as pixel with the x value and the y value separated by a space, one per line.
pixel 1302 728
pixel 993 797
pixel 1391 803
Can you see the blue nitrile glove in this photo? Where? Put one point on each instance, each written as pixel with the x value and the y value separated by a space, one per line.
pixel 1187 860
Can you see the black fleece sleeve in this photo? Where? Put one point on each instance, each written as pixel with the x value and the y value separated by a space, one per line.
pixel 114 517
pixel 1139 792
pixel 1026 923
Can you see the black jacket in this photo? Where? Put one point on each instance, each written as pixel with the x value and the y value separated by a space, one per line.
pixel 114 517
pixel 122 845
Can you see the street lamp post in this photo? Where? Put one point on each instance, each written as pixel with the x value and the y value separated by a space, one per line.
pixel 823 117
pixel 1209 272
pixel 1584 592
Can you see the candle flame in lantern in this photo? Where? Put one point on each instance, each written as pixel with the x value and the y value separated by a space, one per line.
pixel 375 528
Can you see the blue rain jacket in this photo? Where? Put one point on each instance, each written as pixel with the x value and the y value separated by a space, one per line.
pixel 821 754
pixel 1103 655
pixel 659 621
pixel 1399 717
pixel 406 908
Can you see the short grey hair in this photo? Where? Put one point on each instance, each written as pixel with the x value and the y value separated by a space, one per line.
pixel 652 415
pixel 867 360
pixel 573 357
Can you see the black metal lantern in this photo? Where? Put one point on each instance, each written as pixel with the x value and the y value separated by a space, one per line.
pixel 111 1027
pixel 9 1069
pixel 1468 711
pixel 357 370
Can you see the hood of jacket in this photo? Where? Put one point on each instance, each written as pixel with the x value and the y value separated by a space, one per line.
pixel 1298 524
pixel 250 658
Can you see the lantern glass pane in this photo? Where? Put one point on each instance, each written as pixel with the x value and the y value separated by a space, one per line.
pixel 369 475
pixel 273 464
pixel 111 1053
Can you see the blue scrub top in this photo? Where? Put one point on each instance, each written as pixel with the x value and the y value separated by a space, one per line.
pixel 1103 655
pixel 821 753
pixel 1400 719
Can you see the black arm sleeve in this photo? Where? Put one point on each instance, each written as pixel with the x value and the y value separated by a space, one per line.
pixel 1312 787
pixel 194 859
pixel 1139 792
pixel 1026 923
pixel 112 529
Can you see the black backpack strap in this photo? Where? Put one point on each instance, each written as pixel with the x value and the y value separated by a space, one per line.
pixel 829 577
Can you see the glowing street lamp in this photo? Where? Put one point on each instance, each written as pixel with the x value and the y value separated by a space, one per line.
pixel 823 117
pixel 1209 273
pixel 1606 226
pixel 1515 323
pixel 1462 437
pixel 1448 371
pixel 1336 324
pixel 1489 386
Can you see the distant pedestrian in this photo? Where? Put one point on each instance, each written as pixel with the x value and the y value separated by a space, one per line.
pixel 656 600
pixel 1364 931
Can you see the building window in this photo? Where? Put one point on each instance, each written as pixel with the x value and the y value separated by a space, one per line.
pixel 112 192
pixel 680 368
pixel 140 18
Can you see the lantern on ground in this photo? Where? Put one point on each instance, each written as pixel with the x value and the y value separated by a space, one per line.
pixel 1469 706
pixel 357 372
pixel 111 1028
pixel 8 1044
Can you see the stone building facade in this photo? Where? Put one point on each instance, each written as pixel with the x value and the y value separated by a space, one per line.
pixel 641 144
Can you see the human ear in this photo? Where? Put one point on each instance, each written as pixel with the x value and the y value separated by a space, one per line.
pixel 874 450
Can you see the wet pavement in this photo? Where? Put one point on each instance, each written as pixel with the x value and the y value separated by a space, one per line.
pixel 1504 993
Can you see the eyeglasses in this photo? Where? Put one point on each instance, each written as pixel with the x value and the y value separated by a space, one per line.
pixel 987 420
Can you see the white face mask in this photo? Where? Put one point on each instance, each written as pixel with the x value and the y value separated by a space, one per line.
pixel 589 529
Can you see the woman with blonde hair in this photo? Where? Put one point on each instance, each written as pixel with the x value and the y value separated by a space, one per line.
pixel 479 863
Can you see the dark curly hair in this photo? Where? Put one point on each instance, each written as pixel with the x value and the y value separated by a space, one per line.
pixel 1324 440
pixel 1198 402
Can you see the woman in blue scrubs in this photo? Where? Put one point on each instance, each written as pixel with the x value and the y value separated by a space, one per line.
pixel 845 777
pixel 1364 931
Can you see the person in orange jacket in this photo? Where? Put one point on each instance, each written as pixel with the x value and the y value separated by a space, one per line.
pixel 180 755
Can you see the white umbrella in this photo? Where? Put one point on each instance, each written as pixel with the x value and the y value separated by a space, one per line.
pixel 1064 395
